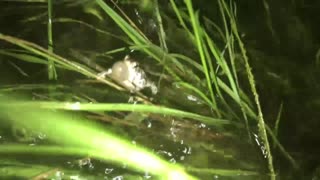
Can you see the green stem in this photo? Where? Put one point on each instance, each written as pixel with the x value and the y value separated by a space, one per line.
pixel 52 74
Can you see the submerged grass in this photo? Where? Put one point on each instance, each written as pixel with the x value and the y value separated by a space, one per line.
pixel 92 143
pixel 204 59
pixel 220 92
pixel 52 73
pixel 123 107
pixel 261 123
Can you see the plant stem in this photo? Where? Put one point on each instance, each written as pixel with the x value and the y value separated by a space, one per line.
pixel 52 74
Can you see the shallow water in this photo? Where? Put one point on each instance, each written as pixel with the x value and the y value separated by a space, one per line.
pixel 284 61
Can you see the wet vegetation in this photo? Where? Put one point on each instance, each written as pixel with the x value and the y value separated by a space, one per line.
pixel 159 89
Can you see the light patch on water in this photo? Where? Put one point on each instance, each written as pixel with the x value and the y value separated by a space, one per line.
pixel 261 145
pixel 187 150
pixel 59 175
pixel 202 125
pixel 134 142
pixel 172 160
pixel 118 178
pixel 147 175
pixel 41 135
pixel 108 170
pixel 75 177
pixel 74 106
pixel 176 175
pixel 181 142
pixel 182 158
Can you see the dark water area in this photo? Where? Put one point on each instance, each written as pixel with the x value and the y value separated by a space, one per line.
pixel 286 68
pixel 283 46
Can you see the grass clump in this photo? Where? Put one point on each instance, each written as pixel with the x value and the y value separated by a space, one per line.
pixel 200 100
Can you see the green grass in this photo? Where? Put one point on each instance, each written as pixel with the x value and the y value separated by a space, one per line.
pixel 52 74
pixel 223 106
pixel 92 143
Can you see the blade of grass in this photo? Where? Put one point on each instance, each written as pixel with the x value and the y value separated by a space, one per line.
pixel 162 37
pixel 24 57
pixel 233 78
pixel 220 60
pixel 221 84
pixel 139 40
pixel 281 148
pixel 162 34
pixel 201 50
pixel 104 32
pixel 197 91
pixel 58 59
pixel 144 108
pixel 129 20
pixel 223 172
pixel 188 60
pixel 180 18
pixel 261 123
pixel 52 73
pixel 276 126
pixel 15 87
pixel 20 70
pixel 96 141
pixel 219 30
pixel 131 32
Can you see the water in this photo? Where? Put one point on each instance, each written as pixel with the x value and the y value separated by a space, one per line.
pixel 283 56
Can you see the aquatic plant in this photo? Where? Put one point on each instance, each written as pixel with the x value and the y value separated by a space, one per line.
pixel 200 104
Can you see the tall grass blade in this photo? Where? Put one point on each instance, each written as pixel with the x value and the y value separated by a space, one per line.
pixel 199 43
pixel 52 73
pixel 276 126
pixel 154 51
pixel 143 108
pixel 261 123
pixel 233 78
pixel 75 135
pixel 57 59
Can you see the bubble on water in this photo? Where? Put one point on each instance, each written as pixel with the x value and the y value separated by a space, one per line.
pixel 147 175
pixel 91 166
pixel 261 145
pixel 202 125
pixel 118 178
pixel 59 175
pixel 124 165
pixel 73 106
pixel 108 170
pixel 164 152
pixel 75 177
pixel 187 150
pixel 194 99
pixel 172 160
pixel 264 151
pixel 134 142
pixel 182 158
pixel 86 163
pixel 149 124
pixel 173 132
pixel 41 136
